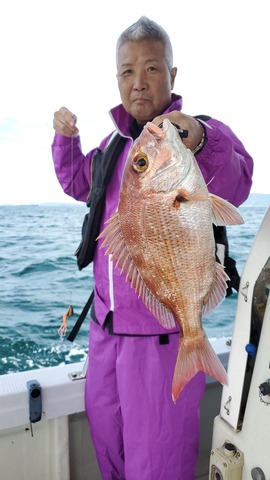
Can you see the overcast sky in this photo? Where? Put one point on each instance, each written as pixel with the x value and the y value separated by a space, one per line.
pixel 62 52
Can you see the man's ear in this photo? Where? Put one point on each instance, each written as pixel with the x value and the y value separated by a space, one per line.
pixel 173 75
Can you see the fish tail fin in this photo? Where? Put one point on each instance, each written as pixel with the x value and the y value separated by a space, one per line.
pixel 196 355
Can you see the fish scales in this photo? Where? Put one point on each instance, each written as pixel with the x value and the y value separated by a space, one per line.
pixel 162 238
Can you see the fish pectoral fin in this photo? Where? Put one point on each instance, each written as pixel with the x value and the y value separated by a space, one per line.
pixel 181 197
pixel 218 291
pixel 185 196
pixel 224 213
pixel 117 248
pixel 195 355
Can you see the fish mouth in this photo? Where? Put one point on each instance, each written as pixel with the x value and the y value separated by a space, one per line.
pixel 181 153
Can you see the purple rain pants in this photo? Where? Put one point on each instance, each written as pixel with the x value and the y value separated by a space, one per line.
pixel 137 431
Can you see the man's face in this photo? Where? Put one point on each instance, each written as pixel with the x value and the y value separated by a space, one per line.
pixel 144 79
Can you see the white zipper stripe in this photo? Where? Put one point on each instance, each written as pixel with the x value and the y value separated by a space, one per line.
pixel 110 273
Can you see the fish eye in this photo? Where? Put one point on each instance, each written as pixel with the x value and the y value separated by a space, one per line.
pixel 140 162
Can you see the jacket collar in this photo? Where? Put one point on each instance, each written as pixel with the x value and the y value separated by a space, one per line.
pixel 124 120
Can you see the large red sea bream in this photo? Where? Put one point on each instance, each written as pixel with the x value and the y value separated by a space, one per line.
pixel 162 238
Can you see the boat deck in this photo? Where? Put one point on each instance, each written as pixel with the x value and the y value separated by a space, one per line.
pixel 61 447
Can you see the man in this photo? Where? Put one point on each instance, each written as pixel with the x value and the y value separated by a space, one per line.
pixel 137 431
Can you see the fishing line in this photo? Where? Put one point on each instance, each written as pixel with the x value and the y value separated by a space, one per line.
pixel 62 330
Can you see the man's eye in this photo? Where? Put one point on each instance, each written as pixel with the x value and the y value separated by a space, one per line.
pixel 126 73
pixel 152 69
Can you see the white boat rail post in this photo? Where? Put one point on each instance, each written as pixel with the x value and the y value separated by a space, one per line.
pixel 78 375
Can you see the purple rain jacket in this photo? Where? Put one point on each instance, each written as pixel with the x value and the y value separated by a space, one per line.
pixel 225 165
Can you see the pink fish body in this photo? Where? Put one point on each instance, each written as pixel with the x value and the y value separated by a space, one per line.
pixel 162 238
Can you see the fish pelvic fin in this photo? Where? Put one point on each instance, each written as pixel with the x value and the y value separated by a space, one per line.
pixel 195 355
pixel 218 291
pixel 224 213
pixel 118 249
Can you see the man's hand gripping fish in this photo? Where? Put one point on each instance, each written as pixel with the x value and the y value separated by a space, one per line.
pixel 162 238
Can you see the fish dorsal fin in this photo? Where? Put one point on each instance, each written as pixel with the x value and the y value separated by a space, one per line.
pixel 118 249
pixel 218 292
pixel 224 213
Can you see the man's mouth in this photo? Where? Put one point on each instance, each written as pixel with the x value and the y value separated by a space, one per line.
pixel 140 100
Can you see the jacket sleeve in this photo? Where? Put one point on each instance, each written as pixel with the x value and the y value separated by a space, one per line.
pixel 225 164
pixel 72 167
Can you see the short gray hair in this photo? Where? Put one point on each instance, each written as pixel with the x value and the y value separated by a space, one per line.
pixel 146 29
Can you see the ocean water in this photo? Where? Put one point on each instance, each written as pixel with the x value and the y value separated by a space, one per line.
pixel 39 279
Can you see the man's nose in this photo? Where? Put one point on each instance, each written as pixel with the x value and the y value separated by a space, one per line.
pixel 139 82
